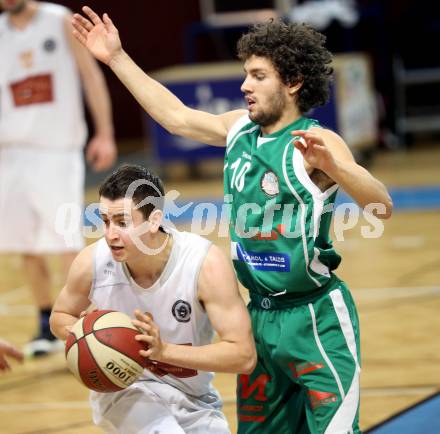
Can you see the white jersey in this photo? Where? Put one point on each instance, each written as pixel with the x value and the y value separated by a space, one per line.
pixel 40 90
pixel 172 300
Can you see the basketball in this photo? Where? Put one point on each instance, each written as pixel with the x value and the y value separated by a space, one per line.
pixel 102 353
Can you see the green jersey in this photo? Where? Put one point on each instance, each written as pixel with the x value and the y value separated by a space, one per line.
pixel 280 219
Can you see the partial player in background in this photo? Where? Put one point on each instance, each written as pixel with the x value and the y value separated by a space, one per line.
pixel 181 289
pixel 282 170
pixel 42 135
pixel 8 350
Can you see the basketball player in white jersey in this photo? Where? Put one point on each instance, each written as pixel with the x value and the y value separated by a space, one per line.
pixel 42 134
pixel 181 289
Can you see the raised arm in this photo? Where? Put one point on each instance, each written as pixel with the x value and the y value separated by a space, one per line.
pixel 218 292
pixel 325 150
pixel 74 297
pixel 101 151
pixel 101 37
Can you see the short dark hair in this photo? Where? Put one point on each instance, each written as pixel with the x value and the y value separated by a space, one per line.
pixel 298 53
pixel 118 184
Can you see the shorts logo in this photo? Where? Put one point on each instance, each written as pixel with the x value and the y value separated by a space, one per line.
pixel 181 310
pixel 269 183
pixel 49 45
pixel 265 303
pixel 317 398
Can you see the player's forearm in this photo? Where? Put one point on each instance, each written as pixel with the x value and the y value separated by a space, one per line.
pixel 364 188
pixel 60 322
pixel 98 101
pixel 164 107
pixel 218 357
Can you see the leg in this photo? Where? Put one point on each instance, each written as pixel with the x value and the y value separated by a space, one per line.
pixel 320 348
pixel 200 415
pixel 268 401
pixel 135 410
pixel 37 276
pixel 195 415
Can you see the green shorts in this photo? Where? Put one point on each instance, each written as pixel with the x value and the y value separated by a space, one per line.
pixel 307 375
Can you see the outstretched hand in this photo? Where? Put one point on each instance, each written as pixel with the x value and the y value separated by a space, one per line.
pixel 314 151
pixel 99 36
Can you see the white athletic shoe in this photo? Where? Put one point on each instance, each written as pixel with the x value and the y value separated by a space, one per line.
pixel 41 346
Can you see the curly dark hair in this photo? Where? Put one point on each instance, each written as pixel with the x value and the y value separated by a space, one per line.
pixel 298 53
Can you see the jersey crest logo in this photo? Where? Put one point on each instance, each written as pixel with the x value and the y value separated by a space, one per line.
pixel 269 184
pixel 49 45
pixel 181 310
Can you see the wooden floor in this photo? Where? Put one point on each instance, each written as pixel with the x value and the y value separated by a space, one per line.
pixel 395 280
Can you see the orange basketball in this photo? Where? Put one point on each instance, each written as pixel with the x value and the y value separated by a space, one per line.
pixel 102 353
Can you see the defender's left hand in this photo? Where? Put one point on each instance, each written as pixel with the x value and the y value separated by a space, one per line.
pixel 314 151
pixel 150 335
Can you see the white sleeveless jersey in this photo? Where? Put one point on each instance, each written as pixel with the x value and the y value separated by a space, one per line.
pixel 40 90
pixel 172 300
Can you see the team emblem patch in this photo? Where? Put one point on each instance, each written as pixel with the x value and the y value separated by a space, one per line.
pixel 269 184
pixel 181 310
pixel 49 45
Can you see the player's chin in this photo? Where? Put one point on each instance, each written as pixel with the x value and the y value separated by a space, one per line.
pixel 118 254
pixel 253 114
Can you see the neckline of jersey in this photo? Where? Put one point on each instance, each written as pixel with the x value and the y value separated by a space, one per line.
pixel 165 272
pixel 279 133
pixel 31 23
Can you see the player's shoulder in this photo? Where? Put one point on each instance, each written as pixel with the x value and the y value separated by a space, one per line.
pixel 243 123
pixel 84 259
pixel 189 239
pixel 55 10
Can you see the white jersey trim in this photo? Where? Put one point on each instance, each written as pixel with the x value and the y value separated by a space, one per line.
pixel 302 207
pixel 305 180
pixel 236 127
pixel 344 417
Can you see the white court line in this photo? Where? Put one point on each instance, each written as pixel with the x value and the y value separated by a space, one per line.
pixel 17 310
pixel 81 405
pixel 399 391
pixel 396 292
pixel 360 293
pixel 13 294
pixel 38 406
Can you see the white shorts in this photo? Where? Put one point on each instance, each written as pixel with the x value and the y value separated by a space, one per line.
pixel 35 186
pixel 150 407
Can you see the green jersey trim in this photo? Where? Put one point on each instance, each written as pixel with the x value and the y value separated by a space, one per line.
pixel 302 211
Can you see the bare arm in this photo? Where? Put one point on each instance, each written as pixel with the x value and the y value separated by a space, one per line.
pixel 101 37
pixel 74 297
pixel 101 151
pixel 218 291
pixel 325 150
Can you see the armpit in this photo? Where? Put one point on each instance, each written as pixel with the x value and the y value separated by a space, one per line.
pixel 321 180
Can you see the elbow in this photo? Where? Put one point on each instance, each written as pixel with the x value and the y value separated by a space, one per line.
pixel 382 209
pixel 388 209
pixel 55 327
pixel 52 324
pixel 249 362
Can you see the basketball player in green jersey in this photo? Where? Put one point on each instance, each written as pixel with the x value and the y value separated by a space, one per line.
pixel 282 172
